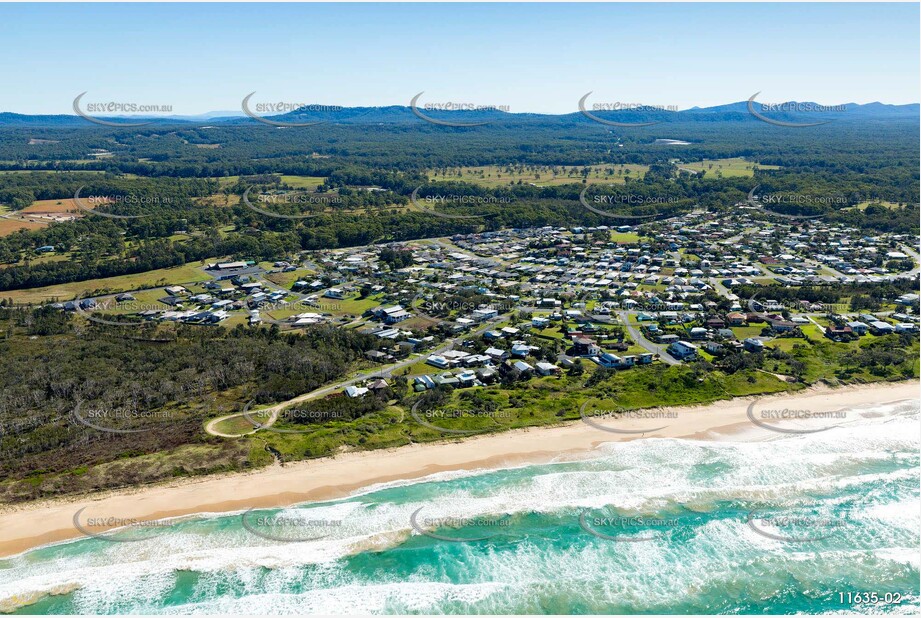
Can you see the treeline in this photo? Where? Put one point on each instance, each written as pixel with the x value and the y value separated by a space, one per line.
pixel 864 146
pixel 160 389
pixel 829 294
pixel 359 219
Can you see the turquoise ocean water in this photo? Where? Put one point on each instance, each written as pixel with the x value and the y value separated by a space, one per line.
pixel 797 523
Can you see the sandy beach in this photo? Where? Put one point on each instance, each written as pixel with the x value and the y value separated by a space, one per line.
pixel 30 525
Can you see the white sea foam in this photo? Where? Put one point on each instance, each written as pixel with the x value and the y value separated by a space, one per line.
pixel 643 477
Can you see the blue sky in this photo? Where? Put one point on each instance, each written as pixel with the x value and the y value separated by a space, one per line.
pixel 529 57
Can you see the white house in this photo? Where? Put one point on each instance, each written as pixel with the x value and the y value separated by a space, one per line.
pixel 547 369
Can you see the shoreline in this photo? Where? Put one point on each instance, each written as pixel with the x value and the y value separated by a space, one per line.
pixel 35 524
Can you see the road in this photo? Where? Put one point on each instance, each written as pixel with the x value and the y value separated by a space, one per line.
pixel 380 372
pixel 914 256
pixel 645 343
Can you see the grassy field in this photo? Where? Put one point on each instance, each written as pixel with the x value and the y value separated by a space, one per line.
pixel 303 182
pixel 539 175
pixel 188 273
pixel 8 226
pixel 744 332
pixel 286 280
pixel 727 168
pixel 48 171
pixel 66 205
pixel 24 218
pixel 863 205
pixel 625 238
pixel 219 200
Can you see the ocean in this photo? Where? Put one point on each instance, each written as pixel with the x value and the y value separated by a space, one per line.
pixel 825 522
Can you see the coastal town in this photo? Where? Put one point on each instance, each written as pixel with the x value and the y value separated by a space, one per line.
pixel 470 310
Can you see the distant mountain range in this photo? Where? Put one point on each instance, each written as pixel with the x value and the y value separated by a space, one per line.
pixel 397 114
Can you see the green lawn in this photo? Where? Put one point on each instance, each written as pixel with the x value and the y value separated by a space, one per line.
pixel 625 238
pixel 744 332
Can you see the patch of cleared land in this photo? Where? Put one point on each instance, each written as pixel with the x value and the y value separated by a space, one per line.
pixel 303 182
pixel 884 204
pixel 219 200
pixel 189 273
pixel 726 168
pixel 8 226
pixel 59 206
pixel 625 238
pixel 538 175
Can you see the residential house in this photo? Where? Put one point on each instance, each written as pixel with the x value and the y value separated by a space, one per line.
pixel 356 391
pixel 859 328
pixel 736 319
pixel 609 360
pixel 547 369
pixel 839 333
pixel 683 350
pixel 753 345
pixel 522 367
pixel 881 328
pixel 481 315
pixel 583 346
pixel 697 333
